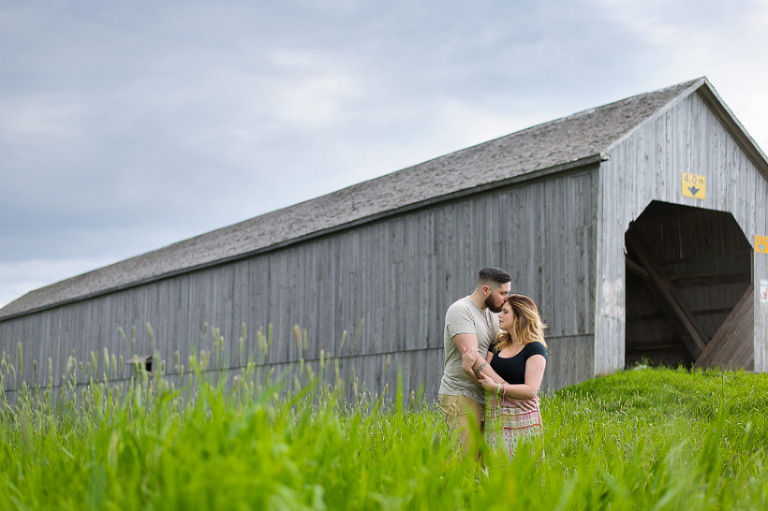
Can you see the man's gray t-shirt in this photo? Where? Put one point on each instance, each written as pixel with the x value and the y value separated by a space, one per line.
pixel 465 317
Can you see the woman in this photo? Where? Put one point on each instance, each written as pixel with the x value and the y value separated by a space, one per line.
pixel 518 357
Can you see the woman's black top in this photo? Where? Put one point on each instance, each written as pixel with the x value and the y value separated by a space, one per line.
pixel 513 369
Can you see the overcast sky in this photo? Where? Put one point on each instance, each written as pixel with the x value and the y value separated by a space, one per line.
pixel 127 126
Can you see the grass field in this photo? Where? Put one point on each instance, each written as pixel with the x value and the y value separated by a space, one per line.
pixel 638 439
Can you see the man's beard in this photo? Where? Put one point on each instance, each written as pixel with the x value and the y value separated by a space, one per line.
pixel 490 305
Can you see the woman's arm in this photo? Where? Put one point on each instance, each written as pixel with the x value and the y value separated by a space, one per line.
pixel 534 373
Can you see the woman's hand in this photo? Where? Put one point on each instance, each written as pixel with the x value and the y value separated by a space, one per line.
pixel 487 383
pixel 469 359
pixel 528 405
pixel 471 354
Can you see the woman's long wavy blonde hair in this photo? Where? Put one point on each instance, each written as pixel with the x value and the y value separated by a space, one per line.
pixel 528 325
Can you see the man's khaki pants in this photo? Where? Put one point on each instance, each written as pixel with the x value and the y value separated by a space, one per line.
pixel 463 414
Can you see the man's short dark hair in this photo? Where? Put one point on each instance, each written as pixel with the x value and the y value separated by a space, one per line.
pixel 494 275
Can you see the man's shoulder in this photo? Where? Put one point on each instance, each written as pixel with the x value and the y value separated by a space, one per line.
pixel 462 303
pixel 462 313
pixel 463 307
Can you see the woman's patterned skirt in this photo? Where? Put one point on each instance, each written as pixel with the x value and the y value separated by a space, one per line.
pixel 506 424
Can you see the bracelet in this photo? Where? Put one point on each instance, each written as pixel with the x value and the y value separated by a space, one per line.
pixel 477 371
pixel 499 390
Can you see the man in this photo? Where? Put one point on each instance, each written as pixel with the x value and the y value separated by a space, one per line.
pixel 470 323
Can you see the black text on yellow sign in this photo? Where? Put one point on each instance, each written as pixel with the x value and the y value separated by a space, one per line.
pixel 694 186
pixel 761 244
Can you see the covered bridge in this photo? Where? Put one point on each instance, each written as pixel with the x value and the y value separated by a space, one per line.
pixel 637 227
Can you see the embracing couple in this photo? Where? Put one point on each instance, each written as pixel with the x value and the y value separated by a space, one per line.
pixel 495 356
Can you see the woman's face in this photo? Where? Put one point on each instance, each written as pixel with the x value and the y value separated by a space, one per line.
pixel 506 318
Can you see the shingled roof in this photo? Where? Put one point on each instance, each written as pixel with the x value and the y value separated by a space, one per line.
pixel 566 142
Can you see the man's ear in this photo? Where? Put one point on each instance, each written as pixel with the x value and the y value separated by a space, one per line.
pixel 486 290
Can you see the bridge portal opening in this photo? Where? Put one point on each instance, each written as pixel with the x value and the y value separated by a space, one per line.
pixel 689 294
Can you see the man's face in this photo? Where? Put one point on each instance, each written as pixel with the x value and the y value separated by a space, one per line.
pixel 496 297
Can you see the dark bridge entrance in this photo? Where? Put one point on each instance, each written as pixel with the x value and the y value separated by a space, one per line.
pixel 689 289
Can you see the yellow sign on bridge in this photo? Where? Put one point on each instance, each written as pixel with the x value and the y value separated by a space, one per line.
pixel 761 244
pixel 694 186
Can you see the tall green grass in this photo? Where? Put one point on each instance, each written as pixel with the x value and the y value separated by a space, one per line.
pixel 638 439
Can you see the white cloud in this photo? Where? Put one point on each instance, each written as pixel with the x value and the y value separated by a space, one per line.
pixel 55 120
pixel 315 102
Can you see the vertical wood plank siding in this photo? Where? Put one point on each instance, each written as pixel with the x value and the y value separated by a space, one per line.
pixel 647 166
pixel 397 275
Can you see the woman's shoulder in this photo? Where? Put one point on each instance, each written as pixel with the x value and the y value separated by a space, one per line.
pixel 536 348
